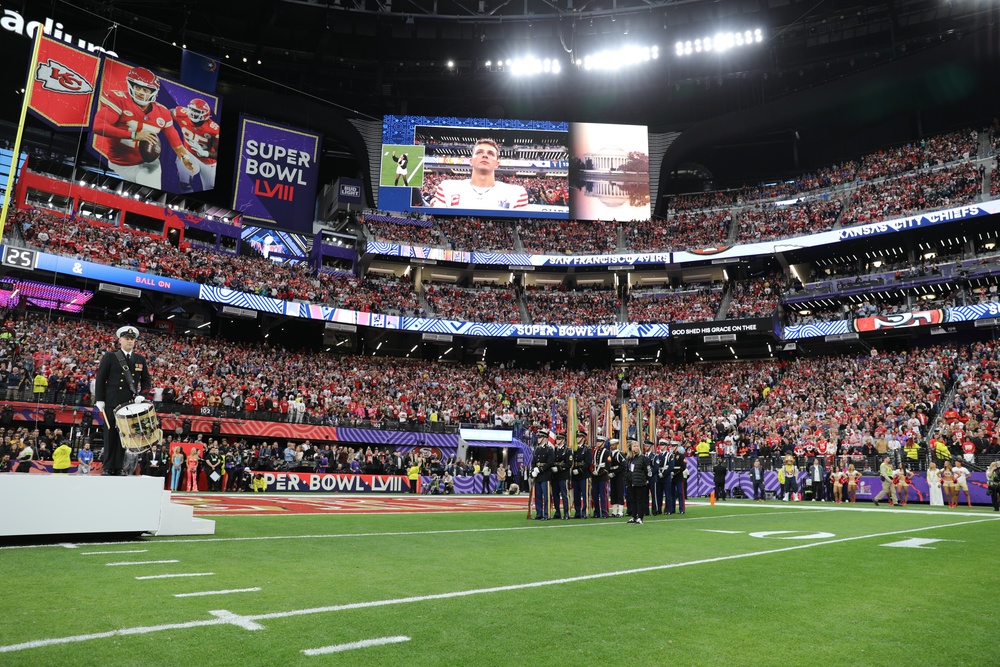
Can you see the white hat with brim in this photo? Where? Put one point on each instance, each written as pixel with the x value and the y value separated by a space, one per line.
pixel 127 330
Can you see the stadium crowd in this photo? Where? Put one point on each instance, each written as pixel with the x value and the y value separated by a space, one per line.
pixel 561 305
pixel 494 303
pixel 764 222
pixel 477 234
pixel 698 229
pixel 401 230
pixel 921 191
pixel 757 297
pixel 569 237
pixel 686 306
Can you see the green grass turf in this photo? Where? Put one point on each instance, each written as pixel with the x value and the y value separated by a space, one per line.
pixel 852 602
pixel 415 166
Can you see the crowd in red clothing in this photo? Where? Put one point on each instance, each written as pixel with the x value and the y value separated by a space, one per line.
pixel 484 304
pixel 923 191
pixel 764 222
pixel 541 237
pixel 399 230
pixel 846 398
pixel 478 234
pixel 656 308
pixel 757 297
pixel 698 229
pixel 566 306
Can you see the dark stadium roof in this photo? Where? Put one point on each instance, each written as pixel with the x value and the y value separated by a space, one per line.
pixel 390 56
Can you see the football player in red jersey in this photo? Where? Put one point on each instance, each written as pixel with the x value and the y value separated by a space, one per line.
pixel 127 126
pixel 201 138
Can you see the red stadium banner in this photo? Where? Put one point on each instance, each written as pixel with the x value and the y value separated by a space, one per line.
pixel 63 84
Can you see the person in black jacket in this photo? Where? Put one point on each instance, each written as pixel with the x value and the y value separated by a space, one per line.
pixel 599 469
pixel 719 472
pixel 616 477
pixel 544 459
pixel 114 387
pixel 583 458
pixel 637 476
pixel 679 478
pixel 560 478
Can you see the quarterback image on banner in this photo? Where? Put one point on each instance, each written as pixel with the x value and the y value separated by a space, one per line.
pixel 63 84
pixel 277 174
pixel 154 131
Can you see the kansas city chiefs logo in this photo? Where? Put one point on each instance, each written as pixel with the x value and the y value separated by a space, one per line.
pixel 58 78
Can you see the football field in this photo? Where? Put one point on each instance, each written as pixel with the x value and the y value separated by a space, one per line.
pixel 737 583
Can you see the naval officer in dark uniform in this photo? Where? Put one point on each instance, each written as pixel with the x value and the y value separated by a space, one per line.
pixel 115 387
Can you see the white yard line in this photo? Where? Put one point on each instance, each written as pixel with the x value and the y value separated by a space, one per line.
pixel 231 590
pixel 176 576
pixel 365 643
pixel 223 617
pixel 141 562
pixel 113 553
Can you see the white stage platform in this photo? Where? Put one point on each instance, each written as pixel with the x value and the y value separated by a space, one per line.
pixel 42 504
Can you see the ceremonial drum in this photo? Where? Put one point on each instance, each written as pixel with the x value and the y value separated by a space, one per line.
pixel 138 426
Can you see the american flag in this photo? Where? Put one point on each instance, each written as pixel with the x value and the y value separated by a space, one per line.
pixel 552 427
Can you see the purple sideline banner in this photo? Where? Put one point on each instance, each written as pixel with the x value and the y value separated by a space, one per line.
pixel 277 174
pixel 316 482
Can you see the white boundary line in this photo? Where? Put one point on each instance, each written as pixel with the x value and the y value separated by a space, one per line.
pixel 364 643
pixel 232 590
pixel 550 525
pixel 223 617
pixel 141 562
pixel 176 576
pixel 113 553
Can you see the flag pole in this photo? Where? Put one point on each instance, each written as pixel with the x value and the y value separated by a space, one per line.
pixel 20 129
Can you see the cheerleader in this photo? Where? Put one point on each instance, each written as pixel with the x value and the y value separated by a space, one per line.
pixel 901 480
pixel 852 483
pixel 948 483
pixel 838 484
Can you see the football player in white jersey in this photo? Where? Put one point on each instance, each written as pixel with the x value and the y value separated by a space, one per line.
pixel 482 190
pixel 201 138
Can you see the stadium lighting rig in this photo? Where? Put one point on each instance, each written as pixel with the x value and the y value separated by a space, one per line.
pixel 616 59
pixel 720 43
pixel 526 66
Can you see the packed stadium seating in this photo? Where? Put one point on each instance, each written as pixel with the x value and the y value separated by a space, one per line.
pixel 566 306
pixel 495 303
pixel 680 306
pixel 568 236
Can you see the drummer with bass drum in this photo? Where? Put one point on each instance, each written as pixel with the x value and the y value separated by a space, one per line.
pixel 121 377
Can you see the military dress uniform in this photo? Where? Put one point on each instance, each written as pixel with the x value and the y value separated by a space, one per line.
pixel 560 480
pixel 112 388
pixel 582 460
pixel 544 459
pixel 602 459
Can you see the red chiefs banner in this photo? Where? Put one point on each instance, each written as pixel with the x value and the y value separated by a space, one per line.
pixel 63 84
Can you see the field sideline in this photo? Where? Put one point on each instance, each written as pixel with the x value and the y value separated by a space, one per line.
pixel 738 583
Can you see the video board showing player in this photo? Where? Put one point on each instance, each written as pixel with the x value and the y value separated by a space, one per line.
pixel 155 131
pixel 477 167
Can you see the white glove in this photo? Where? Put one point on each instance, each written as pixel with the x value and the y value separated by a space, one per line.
pixel 611 475
pixel 534 472
pixel 140 399
pixel 99 405
pixel 575 471
pixel 199 151
pixel 649 472
pixel 555 468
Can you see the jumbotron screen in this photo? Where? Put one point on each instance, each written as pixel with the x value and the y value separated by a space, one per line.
pixel 517 169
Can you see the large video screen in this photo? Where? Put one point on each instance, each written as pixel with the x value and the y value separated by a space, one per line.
pixel 276 245
pixel 155 131
pixel 518 169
